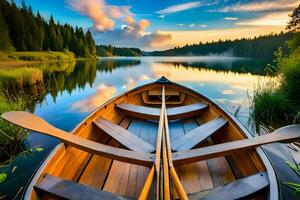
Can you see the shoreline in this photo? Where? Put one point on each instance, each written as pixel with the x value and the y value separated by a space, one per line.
pixel 24 63
pixel 9 60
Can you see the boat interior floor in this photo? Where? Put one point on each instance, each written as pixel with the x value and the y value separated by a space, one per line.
pixel 127 180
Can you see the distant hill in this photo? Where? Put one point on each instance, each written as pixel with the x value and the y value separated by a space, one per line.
pixel 258 47
pixel 108 50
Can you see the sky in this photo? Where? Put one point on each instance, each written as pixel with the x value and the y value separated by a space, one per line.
pixel 162 24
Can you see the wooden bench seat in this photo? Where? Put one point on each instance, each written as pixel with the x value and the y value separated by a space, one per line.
pixel 143 112
pixel 123 136
pixel 64 189
pixel 198 134
pixel 235 190
pixel 167 92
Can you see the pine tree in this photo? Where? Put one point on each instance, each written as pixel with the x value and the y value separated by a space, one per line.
pixel 5 42
pixel 91 43
pixel 294 23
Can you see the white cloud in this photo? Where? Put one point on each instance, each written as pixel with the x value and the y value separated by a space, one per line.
pixel 179 24
pixel 266 5
pixel 101 14
pixel 203 25
pixel 131 37
pixel 185 6
pixel 270 19
pixel 132 34
pixel 191 25
pixel 231 18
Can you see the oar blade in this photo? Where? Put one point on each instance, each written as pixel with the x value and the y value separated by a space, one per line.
pixel 29 121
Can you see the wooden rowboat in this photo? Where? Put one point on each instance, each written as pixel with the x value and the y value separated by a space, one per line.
pixel 158 141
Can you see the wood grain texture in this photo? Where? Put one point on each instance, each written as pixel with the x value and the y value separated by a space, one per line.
pixel 123 136
pixel 285 134
pixel 143 112
pixel 64 189
pixel 198 135
pixel 34 123
pixel 235 190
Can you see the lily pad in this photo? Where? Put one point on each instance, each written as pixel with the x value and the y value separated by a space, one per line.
pixel 3 176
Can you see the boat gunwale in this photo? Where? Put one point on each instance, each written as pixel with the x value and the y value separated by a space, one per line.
pixel 273 188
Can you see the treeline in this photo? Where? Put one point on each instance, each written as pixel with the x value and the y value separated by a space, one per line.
pixel 108 50
pixel 22 30
pixel 258 47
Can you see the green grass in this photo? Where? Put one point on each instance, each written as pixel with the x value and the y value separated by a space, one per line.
pixel 20 77
pixel 44 56
pixel 37 56
pixel 11 136
pixel 279 106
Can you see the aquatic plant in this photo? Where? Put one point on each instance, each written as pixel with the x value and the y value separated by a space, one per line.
pixel 294 186
pixel 278 103
pixel 20 77
pixel 11 136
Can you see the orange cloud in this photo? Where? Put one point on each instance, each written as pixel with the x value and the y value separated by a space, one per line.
pixel 103 94
pixel 100 13
pixel 181 38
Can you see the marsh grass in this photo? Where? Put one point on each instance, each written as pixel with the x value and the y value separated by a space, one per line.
pixel 294 186
pixel 44 56
pixel 11 136
pixel 37 56
pixel 278 104
pixel 20 77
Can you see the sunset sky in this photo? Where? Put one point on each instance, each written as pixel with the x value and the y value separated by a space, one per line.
pixel 162 24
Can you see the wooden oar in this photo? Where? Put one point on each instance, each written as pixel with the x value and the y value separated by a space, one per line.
pixel 35 123
pixel 156 165
pixel 178 185
pixel 286 134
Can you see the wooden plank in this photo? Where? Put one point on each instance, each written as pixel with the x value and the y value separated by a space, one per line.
pixel 143 112
pixel 176 130
pixel 285 134
pixel 35 123
pixel 123 136
pixel 195 177
pixel 167 146
pixel 236 190
pixel 219 168
pixel 96 171
pixel 220 171
pixel 187 111
pixel 198 135
pixel 157 92
pixel 119 174
pixel 65 189
pixel 148 132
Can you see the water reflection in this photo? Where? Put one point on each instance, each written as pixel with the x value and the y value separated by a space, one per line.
pixel 70 91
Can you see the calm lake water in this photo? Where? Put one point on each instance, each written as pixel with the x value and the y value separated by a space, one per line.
pixel 73 90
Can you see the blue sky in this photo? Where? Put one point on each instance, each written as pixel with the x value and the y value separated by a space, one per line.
pixel 161 24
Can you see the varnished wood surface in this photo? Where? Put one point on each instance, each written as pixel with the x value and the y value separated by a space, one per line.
pixel 234 132
pixel 157 162
pixel 63 189
pixel 198 135
pixel 144 112
pixel 34 123
pixel 174 176
pixel 123 136
pixel 285 134
pixel 235 190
